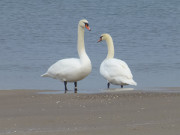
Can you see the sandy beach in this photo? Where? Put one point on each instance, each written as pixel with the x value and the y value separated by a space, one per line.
pixel 120 113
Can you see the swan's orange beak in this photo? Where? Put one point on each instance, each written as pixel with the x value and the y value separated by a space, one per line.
pixel 87 26
pixel 100 39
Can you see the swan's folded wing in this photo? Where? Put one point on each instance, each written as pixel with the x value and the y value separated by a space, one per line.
pixel 116 68
pixel 64 66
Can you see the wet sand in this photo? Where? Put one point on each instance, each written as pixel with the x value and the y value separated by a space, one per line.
pixel 120 113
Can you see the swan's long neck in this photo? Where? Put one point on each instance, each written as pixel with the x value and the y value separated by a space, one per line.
pixel 80 44
pixel 110 46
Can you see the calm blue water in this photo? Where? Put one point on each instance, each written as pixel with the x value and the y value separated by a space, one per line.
pixel 35 34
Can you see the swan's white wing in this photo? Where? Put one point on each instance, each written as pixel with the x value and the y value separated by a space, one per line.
pixel 117 71
pixel 64 68
pixel 115 67
pixel 65 65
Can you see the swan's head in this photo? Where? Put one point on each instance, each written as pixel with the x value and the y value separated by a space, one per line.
pixel 84 24
pixel 104 37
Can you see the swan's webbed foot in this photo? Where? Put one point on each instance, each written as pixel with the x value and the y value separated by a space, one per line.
pixel 108 85
pixel 65 85
pixel 75 87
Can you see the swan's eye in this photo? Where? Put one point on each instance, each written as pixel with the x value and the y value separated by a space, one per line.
pixel 86 24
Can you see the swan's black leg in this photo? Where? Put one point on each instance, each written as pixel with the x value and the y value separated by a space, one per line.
pixel 108 85
pixel 65 85
pixel 75 87
pixel 121 86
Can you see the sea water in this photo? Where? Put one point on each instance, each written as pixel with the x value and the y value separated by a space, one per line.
pixel 35 34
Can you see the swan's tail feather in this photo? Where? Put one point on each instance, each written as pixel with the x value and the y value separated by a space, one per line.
pixel 133 83
pixel 45 75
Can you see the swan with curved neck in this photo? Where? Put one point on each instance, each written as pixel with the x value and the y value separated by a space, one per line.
pixel 115 71
pixel 73 69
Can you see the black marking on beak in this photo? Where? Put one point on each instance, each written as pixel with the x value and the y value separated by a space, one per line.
pixel 100 39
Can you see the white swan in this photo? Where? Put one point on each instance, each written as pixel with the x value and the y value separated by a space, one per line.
pixel 115 71
pixel 73 69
